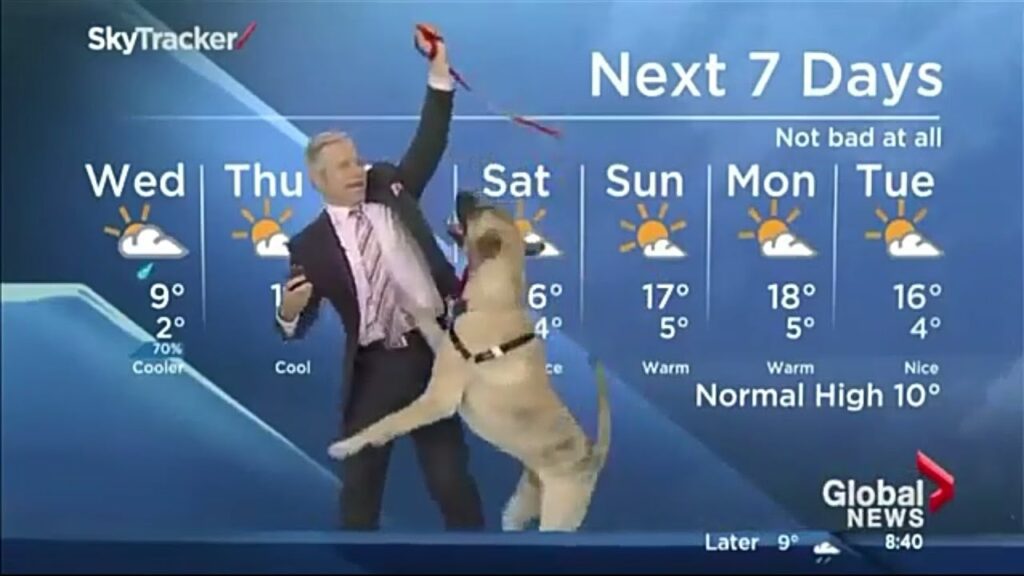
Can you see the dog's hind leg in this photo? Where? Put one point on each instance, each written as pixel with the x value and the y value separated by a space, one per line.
pixel 564 503
pixel 524 504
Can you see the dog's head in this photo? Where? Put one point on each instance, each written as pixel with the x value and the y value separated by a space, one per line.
pixel 467 205
pixel 495 249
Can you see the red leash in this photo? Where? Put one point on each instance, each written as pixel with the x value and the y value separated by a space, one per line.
pixel 433 39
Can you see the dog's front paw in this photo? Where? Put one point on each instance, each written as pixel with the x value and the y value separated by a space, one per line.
pixel 345 448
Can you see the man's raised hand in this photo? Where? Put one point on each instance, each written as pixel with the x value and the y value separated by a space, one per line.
pixel 430 42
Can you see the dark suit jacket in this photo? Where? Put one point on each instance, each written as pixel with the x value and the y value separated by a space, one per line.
pixel 317 250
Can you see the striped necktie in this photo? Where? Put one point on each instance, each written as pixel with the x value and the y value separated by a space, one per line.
pixel 380 305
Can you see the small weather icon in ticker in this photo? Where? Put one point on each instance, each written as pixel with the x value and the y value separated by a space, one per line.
pixel 142 239
pixel 824 551
pixel 653 235
pixel 268 240
pixel 901 235
pixel 774 236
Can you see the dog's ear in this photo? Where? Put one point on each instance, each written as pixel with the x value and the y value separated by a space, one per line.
pixel 488 245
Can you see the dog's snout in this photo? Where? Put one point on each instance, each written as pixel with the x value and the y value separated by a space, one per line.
pixel 465 203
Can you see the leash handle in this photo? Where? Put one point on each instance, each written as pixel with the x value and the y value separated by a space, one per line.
pixel 433 40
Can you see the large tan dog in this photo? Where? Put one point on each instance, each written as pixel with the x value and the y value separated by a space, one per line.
pixel 491 369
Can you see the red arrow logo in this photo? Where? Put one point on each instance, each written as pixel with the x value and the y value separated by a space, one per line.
pixel 944 480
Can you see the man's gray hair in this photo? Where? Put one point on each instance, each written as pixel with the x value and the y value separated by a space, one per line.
pixel 317 143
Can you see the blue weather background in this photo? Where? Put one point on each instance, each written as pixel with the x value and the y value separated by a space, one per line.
pixel 228 448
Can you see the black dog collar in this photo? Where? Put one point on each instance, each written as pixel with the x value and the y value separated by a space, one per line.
pixel 493 352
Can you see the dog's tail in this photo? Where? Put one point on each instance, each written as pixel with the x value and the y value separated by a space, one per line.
pixel 604 419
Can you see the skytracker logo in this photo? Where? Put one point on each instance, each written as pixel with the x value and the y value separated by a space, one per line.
pixel 146 38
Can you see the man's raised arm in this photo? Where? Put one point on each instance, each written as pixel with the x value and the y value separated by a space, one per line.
pixel 428 145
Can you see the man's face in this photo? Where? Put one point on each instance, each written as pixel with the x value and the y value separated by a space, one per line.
pixel 340 175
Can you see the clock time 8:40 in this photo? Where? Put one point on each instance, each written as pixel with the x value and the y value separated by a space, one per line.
pixel 908 541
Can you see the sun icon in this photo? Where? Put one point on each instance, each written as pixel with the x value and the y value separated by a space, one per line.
pixel 131 227
pixel 901 236
pixel 527 227
pixel 652 235
pixel 142 239
pixel 773 234
pixel 265 233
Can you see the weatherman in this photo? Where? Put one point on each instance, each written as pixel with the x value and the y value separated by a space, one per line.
pixel 372 255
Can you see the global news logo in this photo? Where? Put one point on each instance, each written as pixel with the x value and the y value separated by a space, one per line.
pixel 880 505
pixel 146 38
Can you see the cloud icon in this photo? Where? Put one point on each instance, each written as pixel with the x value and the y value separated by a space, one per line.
pixel 663 248
pixel 549 248
pixel 825 549
pixel 274 247
pixel 150 242
pixel 786 245
pixel 913 245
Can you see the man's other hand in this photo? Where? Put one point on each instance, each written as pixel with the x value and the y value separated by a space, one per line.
pixel 297 292
pixel 439 65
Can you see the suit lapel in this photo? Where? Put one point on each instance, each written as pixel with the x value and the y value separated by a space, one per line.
pixel 419 229
pixel 335 261
pixel 410 215
pixel 407 213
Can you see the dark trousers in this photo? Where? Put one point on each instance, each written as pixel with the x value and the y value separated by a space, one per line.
pixel 384 381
